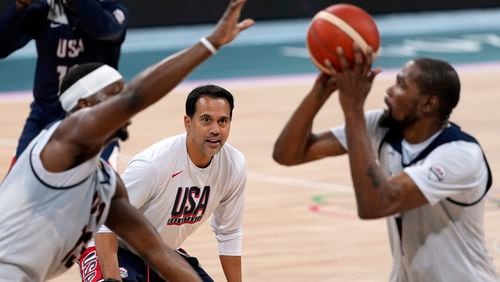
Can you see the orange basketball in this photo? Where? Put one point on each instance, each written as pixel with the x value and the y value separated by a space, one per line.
pixel 340 25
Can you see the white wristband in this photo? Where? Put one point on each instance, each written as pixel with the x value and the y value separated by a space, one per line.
pixel 208 45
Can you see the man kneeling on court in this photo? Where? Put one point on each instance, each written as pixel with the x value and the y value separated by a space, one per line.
pixel 178 183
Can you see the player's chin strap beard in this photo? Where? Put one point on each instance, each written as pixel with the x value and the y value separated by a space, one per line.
pixel 388 122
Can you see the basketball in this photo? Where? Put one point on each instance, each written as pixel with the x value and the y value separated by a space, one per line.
pixel 340 25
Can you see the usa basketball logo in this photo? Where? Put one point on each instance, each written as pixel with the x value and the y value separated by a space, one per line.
pixel 190 205
pixel 436 173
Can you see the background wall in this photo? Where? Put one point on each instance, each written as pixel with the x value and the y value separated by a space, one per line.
pixel 182 12
pixel 146 13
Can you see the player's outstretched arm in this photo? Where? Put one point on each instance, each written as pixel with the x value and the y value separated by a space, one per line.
pixel 156 81
pixel 128 223
pixel 82 134
pixel 297 143
pixel 17 26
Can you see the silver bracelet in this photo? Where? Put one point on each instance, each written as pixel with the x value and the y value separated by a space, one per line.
pixel 208 45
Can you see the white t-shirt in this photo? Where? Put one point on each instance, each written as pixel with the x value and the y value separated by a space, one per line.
pixel 47 218
pixel 177 196
pixel 441 241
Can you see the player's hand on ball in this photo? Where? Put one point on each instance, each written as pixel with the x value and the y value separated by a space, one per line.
pixel 324 85
pixel 340 25
pixel 229 26
pixel 354 83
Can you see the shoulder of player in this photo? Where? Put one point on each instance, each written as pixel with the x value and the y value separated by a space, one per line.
pixel 459 150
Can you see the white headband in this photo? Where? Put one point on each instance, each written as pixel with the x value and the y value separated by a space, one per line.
pixel 88 85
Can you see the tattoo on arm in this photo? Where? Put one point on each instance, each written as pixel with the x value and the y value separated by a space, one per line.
pixel 374 176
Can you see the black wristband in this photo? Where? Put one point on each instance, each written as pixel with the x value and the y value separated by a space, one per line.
pixel 111 280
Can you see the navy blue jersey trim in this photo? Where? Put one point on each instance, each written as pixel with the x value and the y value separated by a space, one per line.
pixel 451 133
pixel 45 183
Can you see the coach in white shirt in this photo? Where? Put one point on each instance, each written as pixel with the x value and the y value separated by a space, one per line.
pixel 178 183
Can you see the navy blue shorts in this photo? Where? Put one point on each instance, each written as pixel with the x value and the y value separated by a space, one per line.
pixel 137 271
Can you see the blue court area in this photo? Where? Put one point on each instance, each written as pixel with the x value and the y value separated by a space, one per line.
pixel 278 48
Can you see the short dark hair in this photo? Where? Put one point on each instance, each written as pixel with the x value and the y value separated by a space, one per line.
pixel 77 72
pixel 439 78
pixel 212 91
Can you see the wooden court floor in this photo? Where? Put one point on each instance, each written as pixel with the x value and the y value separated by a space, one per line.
pixel 300 222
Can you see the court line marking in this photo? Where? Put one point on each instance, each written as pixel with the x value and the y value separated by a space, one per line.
pixel 300 183
pixel 8 142
pixel 15 96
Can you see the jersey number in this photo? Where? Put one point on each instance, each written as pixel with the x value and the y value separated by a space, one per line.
pixel 95 213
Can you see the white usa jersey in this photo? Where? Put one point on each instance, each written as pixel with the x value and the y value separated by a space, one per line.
pixel 47 218
pixel 443 240
pixel 177 196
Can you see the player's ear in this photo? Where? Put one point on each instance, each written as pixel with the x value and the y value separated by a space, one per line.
pixel 432 104
pixel 82 103
pixel 187 123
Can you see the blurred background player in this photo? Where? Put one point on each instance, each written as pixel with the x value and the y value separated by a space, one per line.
pixel 66 33
pixel 178 183
pixel 60 189
pixel 408 163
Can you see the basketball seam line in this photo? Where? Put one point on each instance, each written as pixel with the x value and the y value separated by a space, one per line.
pixel 345 27
pixel 320 66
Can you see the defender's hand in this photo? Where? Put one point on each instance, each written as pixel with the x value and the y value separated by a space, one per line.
pixel 228 26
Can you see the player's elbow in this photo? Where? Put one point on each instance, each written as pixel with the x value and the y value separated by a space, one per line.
pixel 367 213
pixel 283 158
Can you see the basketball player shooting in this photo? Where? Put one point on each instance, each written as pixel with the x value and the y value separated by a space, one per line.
pixel 59 192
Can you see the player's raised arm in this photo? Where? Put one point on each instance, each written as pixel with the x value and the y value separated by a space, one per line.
pixel 15 23
pixel 154 82
pixel 84 132
pixel 297 143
